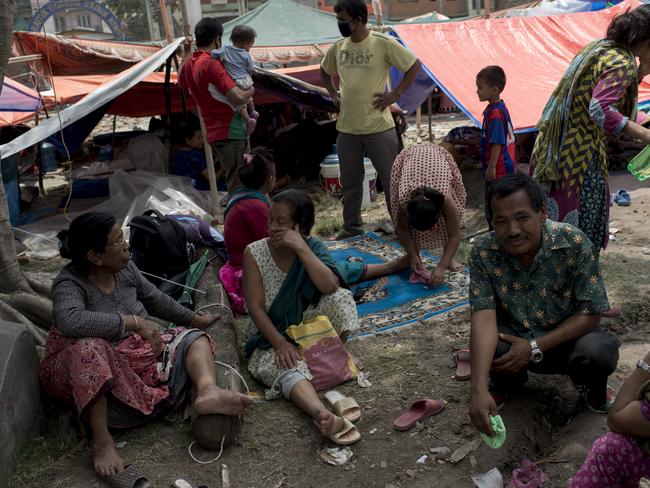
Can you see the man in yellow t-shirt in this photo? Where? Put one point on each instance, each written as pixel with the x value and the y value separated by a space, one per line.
pixel 362 60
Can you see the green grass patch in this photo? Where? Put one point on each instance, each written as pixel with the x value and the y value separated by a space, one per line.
pixel 35 459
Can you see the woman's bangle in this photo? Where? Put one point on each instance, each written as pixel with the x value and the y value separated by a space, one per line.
pixel 137 325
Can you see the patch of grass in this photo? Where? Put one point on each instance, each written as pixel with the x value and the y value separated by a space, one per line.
pixel 328 226
pixel 325 201
pixel 34 460
pixel 625 276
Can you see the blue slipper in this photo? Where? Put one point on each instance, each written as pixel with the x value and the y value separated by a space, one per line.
pixel 622 197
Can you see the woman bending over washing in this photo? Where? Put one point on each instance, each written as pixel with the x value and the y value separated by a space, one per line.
pixel 290 277
pixel 427 205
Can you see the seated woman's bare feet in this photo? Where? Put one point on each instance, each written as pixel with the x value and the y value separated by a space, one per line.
pixel 455 266
pixel 106 460
pixel 329 423
pixel 212 399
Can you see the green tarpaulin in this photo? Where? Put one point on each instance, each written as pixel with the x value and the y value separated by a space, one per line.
pixel 287 23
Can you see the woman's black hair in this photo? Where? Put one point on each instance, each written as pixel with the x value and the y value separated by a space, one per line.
pixel 424 208
pixel 631 28
pixel 255 173
pixel 303 208
pixel 510 184
pixel 88 232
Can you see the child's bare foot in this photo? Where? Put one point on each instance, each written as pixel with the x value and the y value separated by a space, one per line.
pixel 212 399
pixel 106 460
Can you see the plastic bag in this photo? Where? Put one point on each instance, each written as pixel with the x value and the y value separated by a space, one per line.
pixel 325 354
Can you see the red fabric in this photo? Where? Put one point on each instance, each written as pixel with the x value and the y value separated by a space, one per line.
pixel 197 74
pixel 78 371
pixel 67 56
pixel 247 221
pixel 534 52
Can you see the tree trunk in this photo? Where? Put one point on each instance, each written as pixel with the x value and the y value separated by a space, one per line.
pixel 12 277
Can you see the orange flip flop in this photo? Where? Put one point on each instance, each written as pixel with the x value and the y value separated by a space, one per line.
pixel 419 410
pixel 463 365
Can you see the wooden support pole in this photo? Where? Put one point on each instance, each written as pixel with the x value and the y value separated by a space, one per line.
pixel 164 13
pixel 486 9
pixel 187 28
pixel 418 122
pixel 216 212
pixel 168 92
pixel 429 110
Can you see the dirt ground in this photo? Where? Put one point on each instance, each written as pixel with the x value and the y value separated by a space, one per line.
pixel 278 445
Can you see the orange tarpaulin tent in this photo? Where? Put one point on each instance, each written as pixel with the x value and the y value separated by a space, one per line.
pixel 533 51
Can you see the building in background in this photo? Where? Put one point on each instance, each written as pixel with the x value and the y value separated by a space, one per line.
pixel 73 22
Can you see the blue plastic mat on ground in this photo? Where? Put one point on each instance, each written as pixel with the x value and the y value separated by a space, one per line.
pixel 392 302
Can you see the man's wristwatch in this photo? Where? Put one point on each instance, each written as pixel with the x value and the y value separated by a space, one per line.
pixel 536 355
pixel 643 365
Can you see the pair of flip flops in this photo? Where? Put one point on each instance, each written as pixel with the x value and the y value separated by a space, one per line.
pixel 419 410
pixel 347 409
pixel 622 198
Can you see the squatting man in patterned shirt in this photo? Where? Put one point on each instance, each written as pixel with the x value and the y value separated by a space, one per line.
pixel 536 296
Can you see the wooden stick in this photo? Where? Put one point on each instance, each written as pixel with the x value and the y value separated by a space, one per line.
pixel 429 109
pixel 164 13
pixel 486 9
pixel 418 121
pixel 225 476
pixel 212 176
pixel 187 28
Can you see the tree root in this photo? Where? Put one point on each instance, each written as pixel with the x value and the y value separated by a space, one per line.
pixel 7 312
pixel 40 283
pixel 35 307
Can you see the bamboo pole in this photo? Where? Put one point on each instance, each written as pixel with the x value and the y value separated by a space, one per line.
pixel 212 176
pixel 187 28
pixel 418 122
pixel 164 13
pixel 429 109
pixel 486 9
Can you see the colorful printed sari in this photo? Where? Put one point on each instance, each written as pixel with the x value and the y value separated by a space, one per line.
pixel 597 94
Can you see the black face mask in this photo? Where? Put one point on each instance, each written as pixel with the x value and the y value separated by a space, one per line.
pixel 345 29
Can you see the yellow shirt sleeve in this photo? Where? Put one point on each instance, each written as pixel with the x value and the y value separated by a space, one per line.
pixel 398 56
pixel 329 61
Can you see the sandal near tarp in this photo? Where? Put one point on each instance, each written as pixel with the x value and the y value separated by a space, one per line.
pixel 129 477
pixel 182 482
pixel 342 406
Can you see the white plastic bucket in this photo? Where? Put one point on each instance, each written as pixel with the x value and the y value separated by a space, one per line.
pixel 330 173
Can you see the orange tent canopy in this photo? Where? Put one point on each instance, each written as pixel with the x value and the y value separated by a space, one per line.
pixel 533 51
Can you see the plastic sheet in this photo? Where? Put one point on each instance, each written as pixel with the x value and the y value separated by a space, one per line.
pixel 130 194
